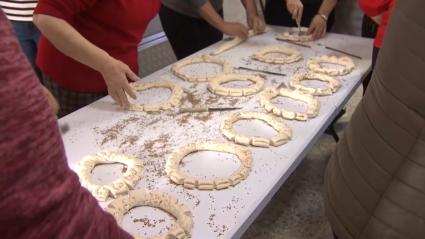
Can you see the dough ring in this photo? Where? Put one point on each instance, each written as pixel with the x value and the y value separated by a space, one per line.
pixel 173 171
pixel 176 68
pixel 215 85
pixel 312 103
pixel 294 34
pixel 121 185
pixel 332 86
pixel 293 55
pixel 314 64
pixel 174 100
pixel 183 225
pixel 283 136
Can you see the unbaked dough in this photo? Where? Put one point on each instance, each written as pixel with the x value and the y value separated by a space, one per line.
pixel 297 35
pixel 176 68
pixel 292 55
pixel 332 84
pixel 283 136
pixel 268 94
pixel 121 185
pixel 226 45
pixel 215 85
pixel 184 221
pixel 314 64
pixel 173 100
pixel 173 171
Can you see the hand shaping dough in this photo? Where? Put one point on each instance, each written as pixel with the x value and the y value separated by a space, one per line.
pixel 215 85
pixel 294 34
pixel 176 68
pixel 312 103
pixel 173 171
pixel 283 136
pixel 314 64
pixel 174 100
pixel 332 84
pixel 184 222
pixel 121 185
pixel 292 55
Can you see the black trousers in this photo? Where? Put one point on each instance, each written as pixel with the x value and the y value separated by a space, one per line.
pixel 369 29
pixel 276 13
pixel 187 35
pixel 367 79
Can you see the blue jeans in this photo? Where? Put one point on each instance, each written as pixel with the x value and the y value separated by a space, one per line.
pixel 28 36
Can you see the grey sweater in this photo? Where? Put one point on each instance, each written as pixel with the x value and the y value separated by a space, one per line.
pixel 190 7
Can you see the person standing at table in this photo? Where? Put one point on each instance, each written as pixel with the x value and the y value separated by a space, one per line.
pixel 317 15
pixel 192 25
pixel 40 196
pixel 375 178
pixel 378 11
pixel 89 48
pixel 19 12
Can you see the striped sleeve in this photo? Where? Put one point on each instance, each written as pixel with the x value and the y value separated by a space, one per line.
pixel 18 10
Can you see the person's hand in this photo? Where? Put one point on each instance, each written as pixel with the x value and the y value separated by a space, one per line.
pixel 295 8
pixel 116 75
pixel 317 27
pixel 234 29
pixel 54 106
pixel 377 19
pixel 256 23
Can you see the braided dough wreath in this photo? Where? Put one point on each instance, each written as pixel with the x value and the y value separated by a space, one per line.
pixel 312 103
pixel 283 136
pixel 215 85
pixel 244 155
pixel 293 55
pixel 332 84
pixel 314 64
pixel 121 185
pixel 176 68
pixel 297 35
pixel 174 100
pixel 184 223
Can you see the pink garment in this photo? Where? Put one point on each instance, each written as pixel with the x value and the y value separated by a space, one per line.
pixel 40 197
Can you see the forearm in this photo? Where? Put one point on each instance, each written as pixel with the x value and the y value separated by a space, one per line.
pixel 327 7
pixel 209 14
pixel 70 42
pixel 250 7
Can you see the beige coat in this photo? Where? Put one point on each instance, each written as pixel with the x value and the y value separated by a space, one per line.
pixel 375 180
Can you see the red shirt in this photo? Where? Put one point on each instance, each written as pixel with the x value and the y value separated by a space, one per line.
pixel 116 26
pixel 374 8
pixel 40 197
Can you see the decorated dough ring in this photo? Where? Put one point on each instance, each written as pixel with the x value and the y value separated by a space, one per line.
pixel 297 35
pixel 173 171
pixel 121 185
pixel 184 223
pixel 314 64
pixel 283 136
pixel 312 103
pixel 293 55
pixel 174 100
pixel 215 85
pixel 176 68
pixel 332 86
